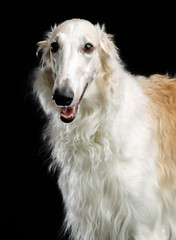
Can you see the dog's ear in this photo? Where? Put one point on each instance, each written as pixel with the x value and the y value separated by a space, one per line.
pixel 43 48
pixel 106 40
pixel 108 51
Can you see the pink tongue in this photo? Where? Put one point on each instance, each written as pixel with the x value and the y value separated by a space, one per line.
pixel 67 110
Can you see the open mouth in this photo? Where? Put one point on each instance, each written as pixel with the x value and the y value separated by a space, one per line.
pixel 68 113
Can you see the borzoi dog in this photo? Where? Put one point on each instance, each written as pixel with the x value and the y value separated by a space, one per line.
pixel 112 135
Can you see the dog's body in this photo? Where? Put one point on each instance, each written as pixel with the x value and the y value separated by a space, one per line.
pixel 116 143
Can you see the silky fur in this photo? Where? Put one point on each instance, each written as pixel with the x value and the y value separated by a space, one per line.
pixel 117 159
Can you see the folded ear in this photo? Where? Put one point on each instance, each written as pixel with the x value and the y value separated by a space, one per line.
pixel 43 47
pixel 108 50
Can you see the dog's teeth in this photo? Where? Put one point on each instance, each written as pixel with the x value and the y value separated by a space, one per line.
pixel 70 115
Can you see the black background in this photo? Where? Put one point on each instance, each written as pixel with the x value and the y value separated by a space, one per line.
pixel 144 33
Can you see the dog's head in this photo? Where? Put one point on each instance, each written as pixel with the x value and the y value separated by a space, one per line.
pixel 75 51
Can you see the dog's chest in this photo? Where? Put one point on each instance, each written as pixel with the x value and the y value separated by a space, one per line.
pixel 87 181
pixel 96 176
pixel 93 196
pixel 85 166
pixel 87 192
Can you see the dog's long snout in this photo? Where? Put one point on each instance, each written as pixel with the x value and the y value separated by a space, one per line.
pixel 63 97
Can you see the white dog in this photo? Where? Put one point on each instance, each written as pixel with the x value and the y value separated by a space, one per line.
pixel 112 134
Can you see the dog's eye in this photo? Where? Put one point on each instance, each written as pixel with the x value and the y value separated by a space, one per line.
pixel 88 48
pixel 54 47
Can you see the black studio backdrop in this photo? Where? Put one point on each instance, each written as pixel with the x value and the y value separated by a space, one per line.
pixel 145 36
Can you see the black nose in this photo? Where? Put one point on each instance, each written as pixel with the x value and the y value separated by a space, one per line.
pixel 63 97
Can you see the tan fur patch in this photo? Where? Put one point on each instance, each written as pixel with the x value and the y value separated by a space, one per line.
pixel 162 92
